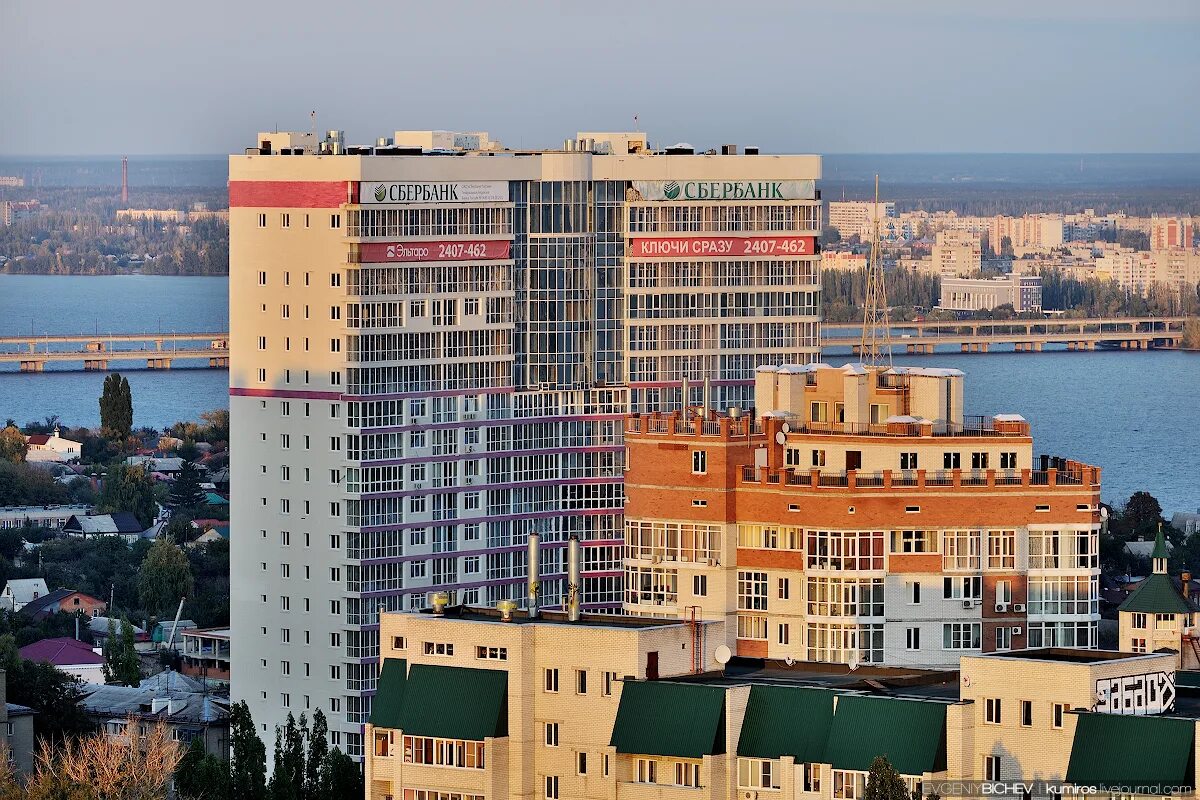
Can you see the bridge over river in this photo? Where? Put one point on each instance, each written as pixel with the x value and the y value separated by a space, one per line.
pixel 164 350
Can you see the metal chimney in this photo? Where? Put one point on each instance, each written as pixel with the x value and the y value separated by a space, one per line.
pixel 532 580
pixel 707 394
pixel 684 390
pixel 573 579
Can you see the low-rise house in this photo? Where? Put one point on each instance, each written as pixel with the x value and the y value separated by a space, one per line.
pixel 39 516
pixel 206 654
pixel 99 629
pixel 19 591
pixel 52 447
pixel 160 634
pixel 170 466
pixel 16 730
pixel 67 600
pixel 123 523
pixel 167 698
pixel 1186 521
pixel 70 655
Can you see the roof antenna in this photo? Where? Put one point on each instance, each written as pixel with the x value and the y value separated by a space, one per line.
pixel 877 323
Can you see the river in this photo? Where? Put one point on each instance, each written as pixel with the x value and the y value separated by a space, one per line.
pixel 1136 414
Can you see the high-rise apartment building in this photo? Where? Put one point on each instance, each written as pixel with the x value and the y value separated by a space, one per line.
pixel 432 351
pixel 1171 232
pixel 857 217
pixel 862 518
pixel 956 254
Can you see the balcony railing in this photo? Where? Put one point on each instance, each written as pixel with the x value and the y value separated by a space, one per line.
pixel 1076 475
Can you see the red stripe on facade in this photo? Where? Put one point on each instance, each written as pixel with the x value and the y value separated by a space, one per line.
pixel 291 394
pixel 287 194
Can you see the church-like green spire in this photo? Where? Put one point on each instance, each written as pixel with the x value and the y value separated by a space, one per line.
pixel 1160 544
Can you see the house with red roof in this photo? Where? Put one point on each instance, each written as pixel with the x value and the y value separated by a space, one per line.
pixel 70 655
pixel 52 447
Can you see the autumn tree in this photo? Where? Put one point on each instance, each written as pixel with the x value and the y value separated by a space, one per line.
pixel 164 578
pixel 13 446
pixel 102 766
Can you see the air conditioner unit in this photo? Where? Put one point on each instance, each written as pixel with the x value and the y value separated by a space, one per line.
pixel 978 601
pixel 1001 608
pixel 1016 631
pixel 1019 608
pixel 968 603
pixel 712 562
pixel 656 559
pixel 749 794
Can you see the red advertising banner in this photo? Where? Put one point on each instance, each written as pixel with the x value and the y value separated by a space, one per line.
pixel 702 246
pixel 381 252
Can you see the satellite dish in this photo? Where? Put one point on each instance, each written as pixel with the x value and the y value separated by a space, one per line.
pixel 781 438
pixel 1103 512
pixel 967 681
pixel 786 428
pixel 853 662
pixel 722 654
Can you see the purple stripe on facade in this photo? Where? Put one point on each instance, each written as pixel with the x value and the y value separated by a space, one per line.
pixel 489 486
pixel 675 384
pixel 441 587
pixel 492 423
pixel 591 448
pixel 438 393
pixel 580 512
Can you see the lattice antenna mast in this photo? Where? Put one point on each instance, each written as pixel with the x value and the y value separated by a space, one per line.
pixel 877 323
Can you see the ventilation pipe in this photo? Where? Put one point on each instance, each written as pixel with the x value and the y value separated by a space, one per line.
pixel 573 579
pixel 707 395
pixel 684 390
pixel 533 581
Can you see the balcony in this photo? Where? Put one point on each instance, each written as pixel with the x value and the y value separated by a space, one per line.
pixel 1073 474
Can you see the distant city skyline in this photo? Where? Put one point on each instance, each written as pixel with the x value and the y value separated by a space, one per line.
pixel 148 78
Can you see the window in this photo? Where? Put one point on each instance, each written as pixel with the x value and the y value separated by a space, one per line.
pixel 968 588
pixel 991 711
pixel 551 738
pixel 699 462
pixel 606 688
pixel 916 593
pixel 914 541
pixel 1164 621
pixel 1008 461
pixel 783 633
pixel 880 412
pixel 1138 645
pixel 979 460
pixel 912 638
pixel 1003 639
pixel 783 588
pixel 646 770
pixel 818 458
pixel 551 684
pixel 262 223
pixel 951 460
pixel 1026 713
pixel 1004 592
pixel 687 773
pixel 1002 549
pixel 399 643
pixel 285 220
pixel 1058 710
pixel 700 585
pixel 580 681
pixel 960 636
pixel 335 312
pixel 443 752
pixel 758 773
pixel 581 763
pixel 908 461
pixel 991 768
pixel 819 412
pixel 752 591
pixel 1139 621
pixel 335 220
pixel 439 648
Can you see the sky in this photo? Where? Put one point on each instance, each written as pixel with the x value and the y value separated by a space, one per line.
pixel 840 76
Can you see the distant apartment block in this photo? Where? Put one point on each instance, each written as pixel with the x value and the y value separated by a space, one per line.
pixel 843 260
pixel 1168 233
pixel 13 181
pixel 1042 231
pixel 856 217
pixel 1138 271
pixel 12 210
pixel 1022 292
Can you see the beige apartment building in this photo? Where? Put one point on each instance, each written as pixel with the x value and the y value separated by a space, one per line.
pixel 474 707
pixel 434 342
pixel 956 254
pixel 1177 269
pixel 857 217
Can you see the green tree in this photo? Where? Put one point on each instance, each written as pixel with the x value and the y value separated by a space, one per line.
pixel 164 578
pixel 201 775
pixel 121 665
pixel 343 777
pixel 26 485
pixel 13 446
pixel 130 489
pixel 247 756
pixel 884 782
pixel 54 697
pixel 179 528
pixel 186 493
pixel 1142 514
pixel 116 406
pixel 287 778
pixel 315 784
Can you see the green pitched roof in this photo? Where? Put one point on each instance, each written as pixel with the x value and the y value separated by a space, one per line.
pixel 910 733
pixel 452 702
pixel 786 720
pixel 1160 545
pixel 1157 595
pixel 1117 750
pixel 659 718
pixel 389 699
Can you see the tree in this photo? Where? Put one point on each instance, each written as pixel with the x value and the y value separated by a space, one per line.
pixel 201 775
pixel 54 697
pixel 287 778
pixel 164 578
pixel 247 756
pixel 13 446
pixel 121 665
pixel 130 489
pixel 342 776
pixel 26 485
pixel 884 782
pixel 116 406
pixel 1142 514
pixel 315 774
pixel 186 492
pixel 101 766
pixel 179 528
pixel 217 425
